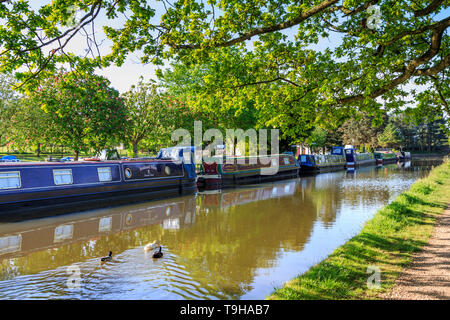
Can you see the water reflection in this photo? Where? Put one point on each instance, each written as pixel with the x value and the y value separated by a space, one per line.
pixel 231 244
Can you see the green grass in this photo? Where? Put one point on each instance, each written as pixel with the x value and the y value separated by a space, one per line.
pixel 387 241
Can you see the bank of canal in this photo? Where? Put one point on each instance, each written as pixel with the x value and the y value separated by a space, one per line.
pixel 231 244
pixel 385 244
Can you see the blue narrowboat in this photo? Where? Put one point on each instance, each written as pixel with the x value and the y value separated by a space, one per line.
pixel 53 187
pixel 318 163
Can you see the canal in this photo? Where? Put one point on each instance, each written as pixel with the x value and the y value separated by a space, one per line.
pixel 236 244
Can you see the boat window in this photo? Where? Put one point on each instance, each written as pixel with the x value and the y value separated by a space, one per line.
pixel 63 232
pixel 171 224
pixel 10 180
pixel 104 174
pixel 10 243
pixel 105 224
pixel 63 176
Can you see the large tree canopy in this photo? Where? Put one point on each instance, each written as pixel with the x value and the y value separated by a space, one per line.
pixel 315 59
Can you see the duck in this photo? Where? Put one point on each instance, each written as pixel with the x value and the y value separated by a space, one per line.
pixel 107 258
pixel 148 247
pixel 158 254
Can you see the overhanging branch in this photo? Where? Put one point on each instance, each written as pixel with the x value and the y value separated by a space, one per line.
pixel 263 30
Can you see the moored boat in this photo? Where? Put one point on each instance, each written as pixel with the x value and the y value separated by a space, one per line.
pixel 222 172
pixel 365 159
pixel 318 163
pixel 55 187
pixel 385 157
pixel 354 159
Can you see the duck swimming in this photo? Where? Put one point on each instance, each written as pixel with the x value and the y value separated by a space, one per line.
pixel 158 254
pixel 108 258
pixel 148 247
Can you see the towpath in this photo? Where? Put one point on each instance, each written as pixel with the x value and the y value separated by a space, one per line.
pixel 428 276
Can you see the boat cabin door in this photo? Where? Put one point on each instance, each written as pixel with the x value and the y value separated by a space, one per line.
pixel 349 155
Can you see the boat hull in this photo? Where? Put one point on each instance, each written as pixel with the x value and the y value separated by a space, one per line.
pixel 321 163
pixel 39 194
pixel 245 170
pixel 390 160
pixel 367 162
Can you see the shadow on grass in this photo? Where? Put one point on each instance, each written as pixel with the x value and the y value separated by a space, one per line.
pixel 392 243
pixel 412 199
pixel 398 215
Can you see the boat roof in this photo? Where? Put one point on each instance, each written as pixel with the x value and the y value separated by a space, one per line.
pixel 55 163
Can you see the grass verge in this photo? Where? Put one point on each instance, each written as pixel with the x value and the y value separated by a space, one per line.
pixel 387 241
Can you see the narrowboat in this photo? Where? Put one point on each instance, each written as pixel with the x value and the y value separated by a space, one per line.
pixel 222 172
pixel 385 157
pixel 61 187
pixel 318 163
pixel 354 159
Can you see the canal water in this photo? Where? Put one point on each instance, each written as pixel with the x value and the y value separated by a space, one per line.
pixel 236 244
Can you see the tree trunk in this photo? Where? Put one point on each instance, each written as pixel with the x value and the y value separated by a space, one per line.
pixel 38 150
pixel 135 149
pixel 77 154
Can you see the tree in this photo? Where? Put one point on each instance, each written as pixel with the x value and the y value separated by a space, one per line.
pixel 7 100
pixel 334 138
pixel 28 126
pixel 80 110
pixel 318 138
pixel 390 137
pixel 287 77
pixel 362 130
pixel 187 83
pixel 152 116
pixel 144 109
pixel 433 103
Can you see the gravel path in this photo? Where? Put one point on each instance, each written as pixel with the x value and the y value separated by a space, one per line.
pixel 428 276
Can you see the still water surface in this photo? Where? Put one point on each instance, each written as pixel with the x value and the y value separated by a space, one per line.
pixel 235 244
